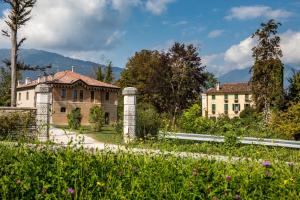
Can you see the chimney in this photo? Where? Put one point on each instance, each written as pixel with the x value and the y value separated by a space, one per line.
pixel 218 86
pixel 73 68
pixel 39 79
pixel 27 80
pixel 19 82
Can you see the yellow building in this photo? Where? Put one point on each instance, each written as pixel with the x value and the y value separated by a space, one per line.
pixel 70 90
pixel 226 99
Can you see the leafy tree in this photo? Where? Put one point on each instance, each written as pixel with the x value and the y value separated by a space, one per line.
pixel 267 71
pixel 186 77
pixel 211 80
pixel 99 73
pixel 4 87
pixel 96 117
pixel 294 87
pixel 171 81
pixel 109 73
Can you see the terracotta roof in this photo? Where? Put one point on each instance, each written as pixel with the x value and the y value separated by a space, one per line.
pixel 231 88
pixel 68 77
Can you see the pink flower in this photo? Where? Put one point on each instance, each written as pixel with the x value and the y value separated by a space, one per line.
pixel 71 190
pixel 266 163
pixel 228 178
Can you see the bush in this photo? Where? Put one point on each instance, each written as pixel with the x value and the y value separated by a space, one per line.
pixel 96 118
pixel 287 122
pixel 191 120
pixel 17 125
pixel 148 121
pixel 74 119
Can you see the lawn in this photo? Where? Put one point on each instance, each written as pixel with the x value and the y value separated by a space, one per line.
pixel 106 135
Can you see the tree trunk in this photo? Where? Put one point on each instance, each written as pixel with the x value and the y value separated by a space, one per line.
pixel 174 117
pixel 13 68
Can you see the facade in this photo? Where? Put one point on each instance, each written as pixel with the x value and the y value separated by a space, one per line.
pixel 226 99
pixel 70 90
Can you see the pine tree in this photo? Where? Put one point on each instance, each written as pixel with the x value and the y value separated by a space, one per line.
pixel 99 74
pixel 19 15
pixel 109 73
pixel 267 71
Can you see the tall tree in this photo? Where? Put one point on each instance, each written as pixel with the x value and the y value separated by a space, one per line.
pixel 267 71
pixel 20 13
pixel 109 73
pixel 294 87
pixel 171 81
pixel 99 73
pixel 186 79
pixel 211 80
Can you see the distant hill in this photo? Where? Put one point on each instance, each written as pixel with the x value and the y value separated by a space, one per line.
pixel 58 62
pixel 243 75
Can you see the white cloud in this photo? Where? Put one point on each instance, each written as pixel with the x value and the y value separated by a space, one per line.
pixel 239 56
pixel 215 33
pixel 157 6
pixel 81 25
pixel 251 12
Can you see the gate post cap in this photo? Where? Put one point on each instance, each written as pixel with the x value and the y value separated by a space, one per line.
pixel 130 91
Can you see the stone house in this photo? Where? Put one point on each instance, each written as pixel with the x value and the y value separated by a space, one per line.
pixel 70 90
pixel 226 99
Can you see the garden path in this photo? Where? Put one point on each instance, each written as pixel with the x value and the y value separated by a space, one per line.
pixel 64 137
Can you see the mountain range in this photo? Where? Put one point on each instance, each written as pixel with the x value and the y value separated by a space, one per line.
pixel 60 63
pixel 57 61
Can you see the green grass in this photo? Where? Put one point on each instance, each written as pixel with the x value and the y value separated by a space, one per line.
pixel 106 135
pixel 250 151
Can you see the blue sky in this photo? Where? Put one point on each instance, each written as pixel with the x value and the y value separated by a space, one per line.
pixel 114 30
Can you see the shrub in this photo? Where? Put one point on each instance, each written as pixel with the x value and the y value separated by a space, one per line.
pixel 74 119
pixel 16 125
pixel 287 122
pixel 96 118
pixel 148 121
pixel 191 120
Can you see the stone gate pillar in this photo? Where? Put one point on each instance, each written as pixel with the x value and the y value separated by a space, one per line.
pixel 129 131
pixel 43 100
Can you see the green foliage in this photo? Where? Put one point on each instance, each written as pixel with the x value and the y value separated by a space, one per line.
pixel 248 112
pixel 294 87
pixel 74 119
pixel 171 81
pixel 96 117
pixel 267 71
pixel 109 73
pixel 193 122
pixel 99 74
pixel 148 121
pixel 4 87
pixel 287 123
pixel 211 80
pixel 16 126
pixel 66 173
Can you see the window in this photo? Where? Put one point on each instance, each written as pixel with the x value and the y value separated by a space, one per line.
pixel 74 95
pixel 63 93
pixel 81 95
pixel 236 108
pixel 213 97
pixel 92 96
pixel 107 96
pixel 27 95
pixel 236 98
pixel 213 108
pixel 226 109
pixel 226 98
pixel 19 96
pixel 63 109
